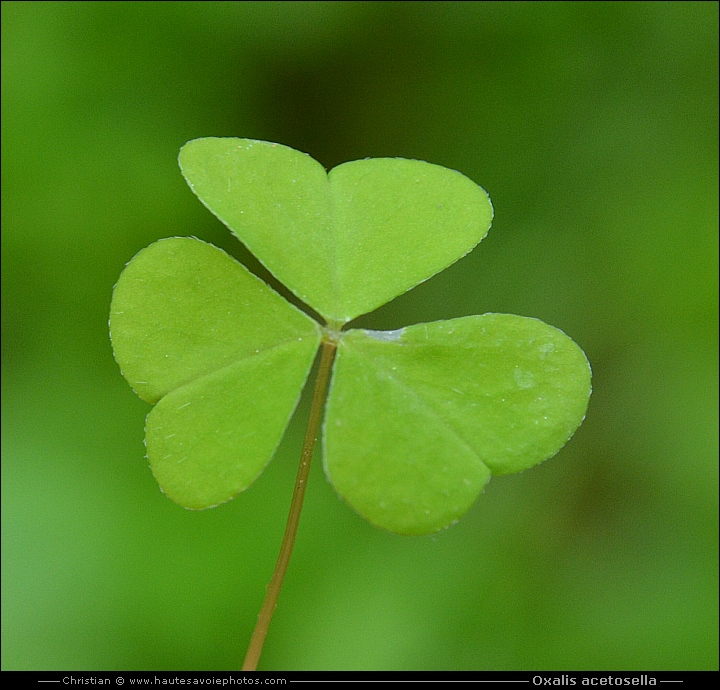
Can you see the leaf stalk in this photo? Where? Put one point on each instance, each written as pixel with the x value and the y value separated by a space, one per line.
pixel 257 640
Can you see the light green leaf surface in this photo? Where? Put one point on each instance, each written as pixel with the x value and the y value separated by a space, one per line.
pixel 344 242
pixel 417 420
pixel 210 439
pixel 225 356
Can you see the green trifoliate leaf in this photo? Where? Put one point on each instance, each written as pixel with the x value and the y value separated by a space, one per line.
pixel 418 419
pixel 344 242
pixel 225 356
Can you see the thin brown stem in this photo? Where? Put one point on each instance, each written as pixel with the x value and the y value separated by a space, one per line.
pixel 273 592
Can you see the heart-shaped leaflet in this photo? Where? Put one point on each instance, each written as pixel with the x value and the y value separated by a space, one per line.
pixel 347 241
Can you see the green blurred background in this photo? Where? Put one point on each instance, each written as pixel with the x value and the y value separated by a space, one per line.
pixel 592 125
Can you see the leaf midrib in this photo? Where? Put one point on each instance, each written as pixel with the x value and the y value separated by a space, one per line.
pixel 257 353
pixel 422 403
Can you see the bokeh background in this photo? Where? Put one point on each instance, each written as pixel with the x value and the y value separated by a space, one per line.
pixel 593 125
